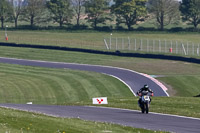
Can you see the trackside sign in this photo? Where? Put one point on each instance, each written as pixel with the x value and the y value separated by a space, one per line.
pixel 100 100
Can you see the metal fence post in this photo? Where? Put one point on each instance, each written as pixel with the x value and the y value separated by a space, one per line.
pixel 116 43
pixel 123 43
pixel 193 48
pixel 106 44
pixel 176 47
pixel 129 43
pixel 110 40
pixel 160 46
pixel 135 44
pixel 147 45
pixel 165 46
pixel 184 49
pixel 171 47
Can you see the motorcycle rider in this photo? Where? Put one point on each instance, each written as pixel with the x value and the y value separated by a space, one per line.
pixel 144 91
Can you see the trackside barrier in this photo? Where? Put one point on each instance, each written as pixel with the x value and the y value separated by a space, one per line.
pixel 152 45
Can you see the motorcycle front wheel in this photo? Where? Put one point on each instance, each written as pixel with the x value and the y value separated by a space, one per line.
pixel 147 108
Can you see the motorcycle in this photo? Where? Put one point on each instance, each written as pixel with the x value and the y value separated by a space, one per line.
pixel 145 103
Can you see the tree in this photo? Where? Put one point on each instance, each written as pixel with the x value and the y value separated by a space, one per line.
pixel 33 11
pixel 62 12
pixel 4 11
pixel 164 11
pixel 78 8
pixel 17 10
pixel 190 10
pixel 129 11
pixel 96 11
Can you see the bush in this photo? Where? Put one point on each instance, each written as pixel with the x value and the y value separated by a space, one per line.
pixel 176 29
pixel 146 29
pixel 104 28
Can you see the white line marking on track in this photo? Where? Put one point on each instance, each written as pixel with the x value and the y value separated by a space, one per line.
pixel 122 82
pixel 26 110
pixel 149 77
pixel 186 117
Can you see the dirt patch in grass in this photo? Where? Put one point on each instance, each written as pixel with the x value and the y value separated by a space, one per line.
pixel 170 90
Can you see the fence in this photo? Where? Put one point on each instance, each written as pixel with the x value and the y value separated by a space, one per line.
pixel 152 45
pixel 109 43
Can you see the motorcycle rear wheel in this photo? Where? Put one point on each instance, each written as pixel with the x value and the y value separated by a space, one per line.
pixel 143 108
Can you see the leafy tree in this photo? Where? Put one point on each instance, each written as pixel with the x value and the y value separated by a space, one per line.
pixel 96 11
pixel 190 10
pixel 62 12
pixel 4 11
pixel 164 11
pixel 78 8
pixel 33 11
pixel 129 11
pixel 17 10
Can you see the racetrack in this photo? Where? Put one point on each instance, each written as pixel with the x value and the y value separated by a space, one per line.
pixel 119 116
pixel 131 118
pixel 133 80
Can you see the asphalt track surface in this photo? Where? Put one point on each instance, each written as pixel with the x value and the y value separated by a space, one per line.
pixel 119 116
pixel 131 118
pixel 133 80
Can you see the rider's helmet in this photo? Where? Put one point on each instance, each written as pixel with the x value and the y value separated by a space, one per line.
pixel 146 87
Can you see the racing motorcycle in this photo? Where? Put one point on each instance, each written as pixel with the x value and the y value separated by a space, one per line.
pixel 145 103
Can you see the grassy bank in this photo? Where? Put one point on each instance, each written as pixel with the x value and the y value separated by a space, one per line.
pixel 21 84
pixel 185 74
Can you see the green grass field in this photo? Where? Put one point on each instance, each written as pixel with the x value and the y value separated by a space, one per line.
pixel 90 39
pixel 21 84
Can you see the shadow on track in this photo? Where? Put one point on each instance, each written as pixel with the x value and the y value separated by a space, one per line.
pixel 117 53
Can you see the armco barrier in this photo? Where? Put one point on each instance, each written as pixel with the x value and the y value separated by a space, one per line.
pixel 117 53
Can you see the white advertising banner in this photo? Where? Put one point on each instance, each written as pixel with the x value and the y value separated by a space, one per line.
pixel 100 100
pixel 29 103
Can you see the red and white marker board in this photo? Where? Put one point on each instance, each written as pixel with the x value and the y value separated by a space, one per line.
pixel 100 100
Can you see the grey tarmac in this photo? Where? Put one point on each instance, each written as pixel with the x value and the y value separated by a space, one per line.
pixel 118 116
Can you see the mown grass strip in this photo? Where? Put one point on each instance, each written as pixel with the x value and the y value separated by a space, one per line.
pixel 191 82
pixel 21 84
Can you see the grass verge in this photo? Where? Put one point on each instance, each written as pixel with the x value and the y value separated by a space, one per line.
pixel 24 122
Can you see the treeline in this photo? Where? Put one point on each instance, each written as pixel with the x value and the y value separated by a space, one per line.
pixel 95 12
